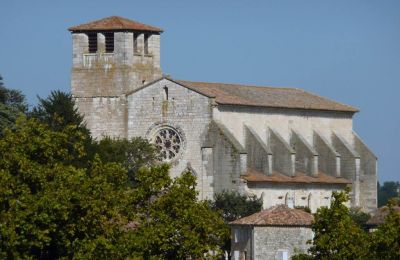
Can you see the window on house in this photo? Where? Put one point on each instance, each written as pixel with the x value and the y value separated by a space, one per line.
pixel 135 43
pixel 289 200
pixel 146 43
pixel 109 42
pixel 92 42
pixel 283 254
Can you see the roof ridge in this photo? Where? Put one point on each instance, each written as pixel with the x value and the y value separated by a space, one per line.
pixel 114 23
pixel 239 85
pixel 266 96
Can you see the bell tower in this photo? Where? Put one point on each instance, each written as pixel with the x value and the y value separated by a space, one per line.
pixel 111 57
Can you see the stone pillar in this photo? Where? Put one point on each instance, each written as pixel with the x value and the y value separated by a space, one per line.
pixel 101 43
pixel 80 45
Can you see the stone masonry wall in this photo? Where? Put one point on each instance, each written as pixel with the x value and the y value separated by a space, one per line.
pixel 368 176
pixel 329 159
pixel 258 153
pixel 305 195
pixel 113 74
pixel 270 241
pixel 241 236
pixel 306 156
pixel 186 111
pixel 283 154
pixel 283 121
pixel 226 160
pixel 349 166
pixel 99 81
pixel 104 116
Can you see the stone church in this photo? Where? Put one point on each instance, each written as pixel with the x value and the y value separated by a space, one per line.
pixel 286 145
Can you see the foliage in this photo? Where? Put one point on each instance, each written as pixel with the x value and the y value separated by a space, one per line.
pixel 235 205
pixel 359 217
pixel 390 189
pixel 174 224
pixel 232 206
pixel 59 112
pixel 49 209
pixel 337 236
pixel 132 154
pixel 52 209
pixel 12 105
pixel 386 239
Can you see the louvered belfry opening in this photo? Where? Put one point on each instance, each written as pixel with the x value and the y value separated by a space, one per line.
pixel 92 42
pixel 109 41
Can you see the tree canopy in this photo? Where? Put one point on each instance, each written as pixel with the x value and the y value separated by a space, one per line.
pixel 50 208
pixel 12 105
pixel 338 236
pixel 234 205
pixel 388 190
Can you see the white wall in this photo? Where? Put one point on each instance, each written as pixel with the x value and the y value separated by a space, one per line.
pixel 283 120
pixel 305 195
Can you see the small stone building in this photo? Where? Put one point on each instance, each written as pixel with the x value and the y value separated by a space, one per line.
pixel 276 233
pixel 379 217
pixel 283 144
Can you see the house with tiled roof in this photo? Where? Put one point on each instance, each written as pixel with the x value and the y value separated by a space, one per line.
pixel 286 145
pixel 379 217
pixel 275 233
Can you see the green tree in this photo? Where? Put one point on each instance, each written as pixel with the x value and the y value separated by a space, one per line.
pixel 390 189
pixel 50 209
pixel 59 112
pixel 385 241
pixel 359 216
pixel 12 105
pixel 337 236
pixel 132 154
pixel 174 225
pixel 234 205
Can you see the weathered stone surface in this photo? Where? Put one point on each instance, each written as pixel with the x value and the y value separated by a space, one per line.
pixel 122 94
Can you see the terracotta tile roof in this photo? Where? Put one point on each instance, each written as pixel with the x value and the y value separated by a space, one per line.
pixel 379 217
pixel 276 177
pixel 234 94
pixel 280 215
pixel 114 23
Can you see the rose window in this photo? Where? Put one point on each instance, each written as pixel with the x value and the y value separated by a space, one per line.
pixel 168 143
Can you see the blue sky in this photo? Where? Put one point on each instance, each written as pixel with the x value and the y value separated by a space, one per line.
pixel 348 51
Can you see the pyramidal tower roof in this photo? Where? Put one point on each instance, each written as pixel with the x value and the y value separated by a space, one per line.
pixel 114 23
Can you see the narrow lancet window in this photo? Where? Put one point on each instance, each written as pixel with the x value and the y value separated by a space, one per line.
pixel 165 93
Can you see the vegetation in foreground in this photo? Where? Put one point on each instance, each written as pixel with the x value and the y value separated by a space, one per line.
pixel 338 236
pixel 65 195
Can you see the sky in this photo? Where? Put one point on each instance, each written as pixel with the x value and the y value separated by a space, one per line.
pixel 346 50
